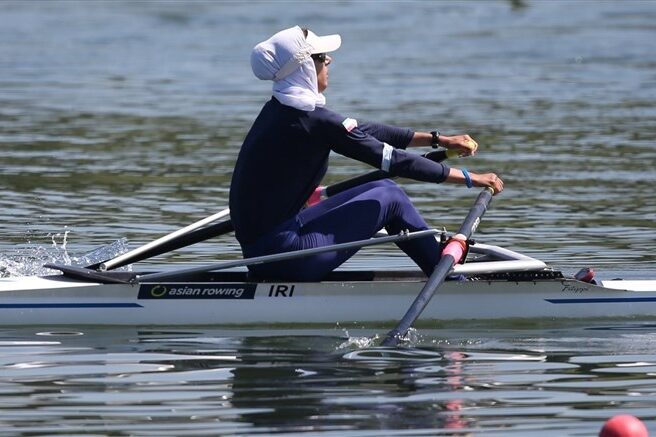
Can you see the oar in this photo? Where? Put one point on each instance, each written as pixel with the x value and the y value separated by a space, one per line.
pixel 145 251
pixel 451 254
pixel 205 229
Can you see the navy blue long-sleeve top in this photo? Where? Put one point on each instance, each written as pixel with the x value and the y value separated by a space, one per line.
pixel 285 156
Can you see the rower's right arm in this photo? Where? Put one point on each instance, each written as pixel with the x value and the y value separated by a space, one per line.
pixel 457 176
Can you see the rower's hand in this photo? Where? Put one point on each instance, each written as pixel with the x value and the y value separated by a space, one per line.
pixel 463 144
pixel 488 180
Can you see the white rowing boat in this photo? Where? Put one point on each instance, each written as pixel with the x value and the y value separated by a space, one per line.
pixel 495 283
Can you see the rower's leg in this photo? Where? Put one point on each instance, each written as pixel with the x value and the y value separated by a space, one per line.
pixel 351 215
pixel 362 212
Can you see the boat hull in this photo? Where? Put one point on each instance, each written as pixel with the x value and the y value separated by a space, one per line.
pixel 58 301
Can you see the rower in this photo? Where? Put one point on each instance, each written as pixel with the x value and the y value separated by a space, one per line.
pixel 288 147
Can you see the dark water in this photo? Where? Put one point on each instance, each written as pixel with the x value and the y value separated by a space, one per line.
pixel 123 119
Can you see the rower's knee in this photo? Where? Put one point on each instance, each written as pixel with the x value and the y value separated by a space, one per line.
pixel 387 183
pixel 394 194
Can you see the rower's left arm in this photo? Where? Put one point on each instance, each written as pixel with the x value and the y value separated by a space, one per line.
pixel 392 135
pixel 397 162
pixel 402 138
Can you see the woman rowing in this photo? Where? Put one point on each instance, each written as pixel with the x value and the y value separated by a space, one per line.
pixel 285 156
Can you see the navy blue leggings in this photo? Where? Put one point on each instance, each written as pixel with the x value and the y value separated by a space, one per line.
pixel 354 214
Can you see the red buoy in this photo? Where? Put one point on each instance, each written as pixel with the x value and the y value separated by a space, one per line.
pixel 624 426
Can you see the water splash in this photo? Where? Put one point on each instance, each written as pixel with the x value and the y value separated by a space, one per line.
pixel 412 338
pixel 354 341
pixel 358 342
pixel 29 261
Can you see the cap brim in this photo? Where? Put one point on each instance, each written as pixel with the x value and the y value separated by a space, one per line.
pixel 323 44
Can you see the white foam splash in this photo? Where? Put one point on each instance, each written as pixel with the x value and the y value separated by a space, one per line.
pixel 358 342
pixel 29 261
pixel 355 342
pixel 411 338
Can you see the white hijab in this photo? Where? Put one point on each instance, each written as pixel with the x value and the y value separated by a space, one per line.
pixel 285 59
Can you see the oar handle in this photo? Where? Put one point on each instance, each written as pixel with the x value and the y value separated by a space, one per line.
pixel 442 269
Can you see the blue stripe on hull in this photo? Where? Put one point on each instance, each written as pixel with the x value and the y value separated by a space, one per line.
pixel 604 300
pixel 68 305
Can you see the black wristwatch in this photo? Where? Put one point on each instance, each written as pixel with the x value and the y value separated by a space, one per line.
pixel 434 140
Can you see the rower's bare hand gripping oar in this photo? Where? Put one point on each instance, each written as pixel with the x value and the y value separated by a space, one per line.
pixel 206 228
pixel 451 254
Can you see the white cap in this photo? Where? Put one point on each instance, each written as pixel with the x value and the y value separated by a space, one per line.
pixel 323 44
pixel 280 55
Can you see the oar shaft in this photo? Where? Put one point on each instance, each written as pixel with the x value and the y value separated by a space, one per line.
pixel 192 237
pixel 434 282
pixel 152 277
pixel 441 271
pixel 473 219
pixel 128 257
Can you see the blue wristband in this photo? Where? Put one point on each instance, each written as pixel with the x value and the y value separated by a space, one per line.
pixel 468 180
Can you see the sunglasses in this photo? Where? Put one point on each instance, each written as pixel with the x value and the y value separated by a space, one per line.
pixel 321 57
